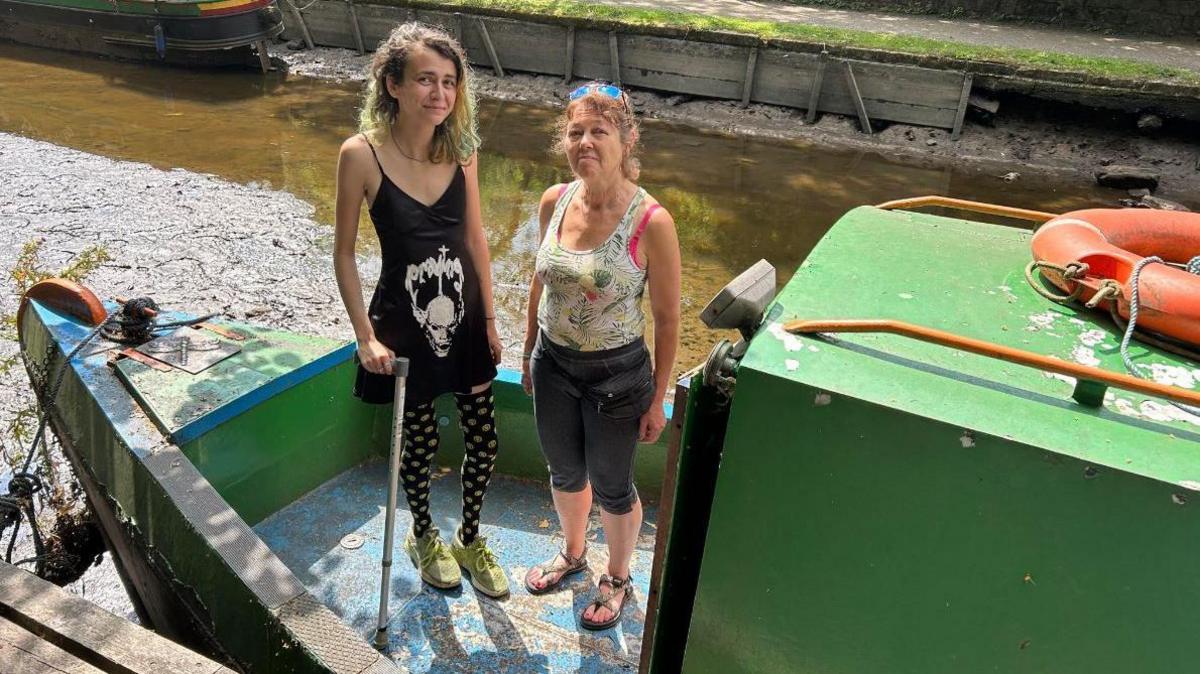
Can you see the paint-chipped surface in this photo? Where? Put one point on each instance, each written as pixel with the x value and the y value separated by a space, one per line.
pixel 458 630
pixel 937 260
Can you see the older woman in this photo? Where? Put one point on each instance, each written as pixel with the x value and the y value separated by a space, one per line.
pixel 595 392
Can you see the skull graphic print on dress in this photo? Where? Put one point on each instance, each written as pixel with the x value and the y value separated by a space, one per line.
pixel 442 314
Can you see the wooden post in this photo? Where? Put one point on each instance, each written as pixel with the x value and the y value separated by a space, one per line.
pixel 614 58
pixel 748 83
pixel 569 70
pixel 308 41
pixel 264 59
pixel 358 38
pixel 814 96
pixel 852 85
pixel 962 106
pixel 491 49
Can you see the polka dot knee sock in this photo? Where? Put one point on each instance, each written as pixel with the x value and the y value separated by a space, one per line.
pixel 477 416
pixel 420 446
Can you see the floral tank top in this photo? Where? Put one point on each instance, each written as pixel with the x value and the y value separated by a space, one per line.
pixel 592 300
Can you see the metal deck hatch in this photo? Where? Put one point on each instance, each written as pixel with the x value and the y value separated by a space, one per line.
pixel 229 376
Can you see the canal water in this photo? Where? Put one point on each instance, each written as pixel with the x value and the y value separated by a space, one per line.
pixel 735 200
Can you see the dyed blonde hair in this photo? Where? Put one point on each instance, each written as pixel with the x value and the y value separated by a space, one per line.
pixel 457 137
pixel 619 113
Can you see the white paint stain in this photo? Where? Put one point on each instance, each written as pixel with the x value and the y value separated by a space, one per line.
pixel 791 365
pixel 1071 381
pixel 1091 337
pixel 822 399
pixel 1041 321
pixel 966 439
pixel 1173 375
pixel 815 349
pixel 1008 293
pixel 790 341
pixel 906 296
pixel 1084 356
pixel 1156 411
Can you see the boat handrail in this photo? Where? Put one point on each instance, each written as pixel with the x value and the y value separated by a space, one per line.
pixel 966 205
pixel 1086 391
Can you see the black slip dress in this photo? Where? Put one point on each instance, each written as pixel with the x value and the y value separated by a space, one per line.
pixel 427 305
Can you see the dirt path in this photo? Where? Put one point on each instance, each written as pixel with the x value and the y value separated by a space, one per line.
pixel 1174 52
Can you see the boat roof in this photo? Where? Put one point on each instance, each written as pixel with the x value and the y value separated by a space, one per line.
pixel 185 406
pixel 967 278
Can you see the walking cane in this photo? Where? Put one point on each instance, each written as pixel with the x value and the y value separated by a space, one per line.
pixel 400 370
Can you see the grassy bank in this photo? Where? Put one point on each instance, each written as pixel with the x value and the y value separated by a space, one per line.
pixel 1105 68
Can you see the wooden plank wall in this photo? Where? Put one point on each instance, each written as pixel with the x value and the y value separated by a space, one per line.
pixel 741 69
pixel 43 628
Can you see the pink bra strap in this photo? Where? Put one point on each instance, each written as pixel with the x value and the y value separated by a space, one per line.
pixel 637 233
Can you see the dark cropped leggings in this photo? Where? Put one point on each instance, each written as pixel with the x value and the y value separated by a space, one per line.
pixel 588 405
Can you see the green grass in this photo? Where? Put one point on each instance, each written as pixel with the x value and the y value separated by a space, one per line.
pixel 1108 68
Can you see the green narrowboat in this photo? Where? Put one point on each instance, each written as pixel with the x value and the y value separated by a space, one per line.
pixel 858 485
pixel 179 32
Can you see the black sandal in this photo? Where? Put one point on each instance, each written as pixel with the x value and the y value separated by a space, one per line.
pixel 624 587
pixel 574 566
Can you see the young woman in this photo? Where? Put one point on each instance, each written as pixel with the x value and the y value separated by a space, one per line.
pixel 414 164
pixel 595 391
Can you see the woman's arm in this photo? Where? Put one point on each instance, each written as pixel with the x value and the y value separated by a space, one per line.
pixel 545 210
pixel 662 273
pixel 481 257
pixel 352 177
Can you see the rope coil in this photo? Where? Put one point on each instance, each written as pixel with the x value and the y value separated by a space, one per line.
pixel 1071 272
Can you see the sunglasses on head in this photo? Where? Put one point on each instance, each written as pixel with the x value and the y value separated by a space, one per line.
pixel 612 91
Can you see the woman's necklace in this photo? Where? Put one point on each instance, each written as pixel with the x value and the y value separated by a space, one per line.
pixel 401 151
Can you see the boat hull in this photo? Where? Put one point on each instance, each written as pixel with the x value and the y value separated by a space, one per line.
pixel 180 470
pixel 926 509
pixel 190 35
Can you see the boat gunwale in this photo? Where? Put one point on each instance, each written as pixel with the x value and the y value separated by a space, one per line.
pixel 222 530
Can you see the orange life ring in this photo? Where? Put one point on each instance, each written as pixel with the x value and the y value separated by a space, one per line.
pixel 1110 242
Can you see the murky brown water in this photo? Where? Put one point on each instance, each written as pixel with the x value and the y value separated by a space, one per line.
pixel 735 200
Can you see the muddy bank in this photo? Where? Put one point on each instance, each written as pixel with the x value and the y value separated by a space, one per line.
pixel 193 242
pixel 1027 138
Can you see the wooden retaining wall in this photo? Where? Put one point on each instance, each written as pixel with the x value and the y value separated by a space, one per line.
pixel 44 629
pixel 721 66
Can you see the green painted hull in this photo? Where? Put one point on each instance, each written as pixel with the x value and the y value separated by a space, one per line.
pixel 928 510
pixel 180 472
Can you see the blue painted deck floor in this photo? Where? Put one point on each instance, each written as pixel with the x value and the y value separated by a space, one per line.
pixel 459 630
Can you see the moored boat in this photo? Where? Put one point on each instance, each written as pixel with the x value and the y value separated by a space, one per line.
pixel 241 490
pixel 181 32
pixel 859 485
pixel 890 504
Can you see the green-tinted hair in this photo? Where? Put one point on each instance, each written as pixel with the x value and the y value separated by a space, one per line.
pixel 456 138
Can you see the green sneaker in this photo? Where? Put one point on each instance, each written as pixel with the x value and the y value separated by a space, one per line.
pixel 480 562
pixel 429 554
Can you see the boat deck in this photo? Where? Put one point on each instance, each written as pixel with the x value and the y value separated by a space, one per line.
pixel 458 630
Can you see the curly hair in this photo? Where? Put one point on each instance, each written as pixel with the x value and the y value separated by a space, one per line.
pixel 457 137
pixel 617 111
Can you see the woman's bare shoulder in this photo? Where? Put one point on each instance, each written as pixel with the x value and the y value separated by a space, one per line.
pixel 355 147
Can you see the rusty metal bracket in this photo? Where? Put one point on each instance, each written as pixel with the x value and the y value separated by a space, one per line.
pixel 221 330
pixel 134 354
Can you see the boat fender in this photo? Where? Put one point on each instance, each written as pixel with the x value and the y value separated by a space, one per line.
pixel 160 41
